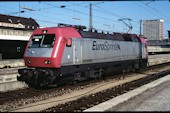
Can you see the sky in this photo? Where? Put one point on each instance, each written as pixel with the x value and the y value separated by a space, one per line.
pixel 106 15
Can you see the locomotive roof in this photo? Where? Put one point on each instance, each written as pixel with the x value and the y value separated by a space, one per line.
pixel 96 35
pixel 114 36
pixel 90 34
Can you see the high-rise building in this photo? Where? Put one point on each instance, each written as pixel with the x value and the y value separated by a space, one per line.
pixel 153 29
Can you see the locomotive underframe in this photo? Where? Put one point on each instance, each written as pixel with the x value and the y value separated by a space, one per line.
pixel 40 77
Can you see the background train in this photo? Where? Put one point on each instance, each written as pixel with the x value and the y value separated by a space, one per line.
pixel 158 46
pixel 69 53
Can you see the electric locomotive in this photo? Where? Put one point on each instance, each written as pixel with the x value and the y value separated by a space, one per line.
pixel 69 53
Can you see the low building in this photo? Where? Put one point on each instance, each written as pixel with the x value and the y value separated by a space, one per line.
pixel 14 35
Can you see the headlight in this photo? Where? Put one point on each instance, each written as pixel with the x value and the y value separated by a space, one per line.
pixel 47 62
pixel 29 61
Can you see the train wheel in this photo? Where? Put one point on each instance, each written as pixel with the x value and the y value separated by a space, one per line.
pixel 41 82
pixel 131 68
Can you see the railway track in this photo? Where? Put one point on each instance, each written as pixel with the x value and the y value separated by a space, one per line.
pixel 86 102
pixel 16 100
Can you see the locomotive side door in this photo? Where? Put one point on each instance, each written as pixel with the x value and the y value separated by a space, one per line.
pixel 77 51
pixel 140 51
pixel 140 54
pixel 144 52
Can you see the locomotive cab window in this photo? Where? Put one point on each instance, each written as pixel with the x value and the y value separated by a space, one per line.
pixel 45 40
pixel 48 40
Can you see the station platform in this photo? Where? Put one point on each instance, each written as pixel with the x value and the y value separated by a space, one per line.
pixel 158 59
pixel 8 81
pixel 154 96
pixel 11 86
pixel 9 63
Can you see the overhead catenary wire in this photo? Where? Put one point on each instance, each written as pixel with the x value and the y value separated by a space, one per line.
pixel 67 20
pixel 69 11
pixel 95 16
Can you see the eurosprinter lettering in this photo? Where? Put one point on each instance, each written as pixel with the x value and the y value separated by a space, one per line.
pixel 105 46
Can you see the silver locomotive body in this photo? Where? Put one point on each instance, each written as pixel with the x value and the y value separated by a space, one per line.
pixel 89 51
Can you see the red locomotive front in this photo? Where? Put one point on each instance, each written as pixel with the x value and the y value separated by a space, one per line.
pixel 43 55
pixel 46 46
